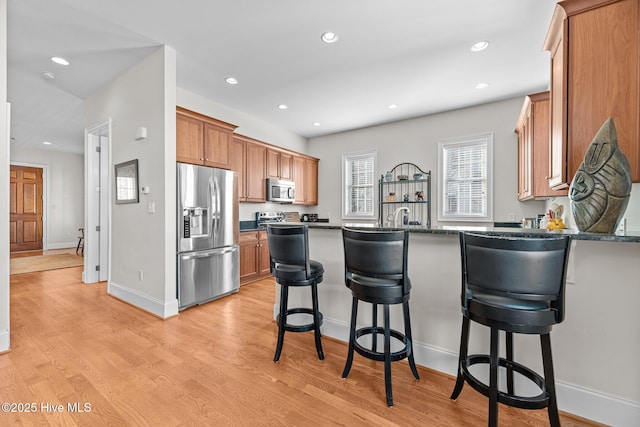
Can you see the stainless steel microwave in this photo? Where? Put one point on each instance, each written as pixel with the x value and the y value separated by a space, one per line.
pixel 280 191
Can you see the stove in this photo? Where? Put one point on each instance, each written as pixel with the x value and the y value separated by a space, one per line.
pixel 269 217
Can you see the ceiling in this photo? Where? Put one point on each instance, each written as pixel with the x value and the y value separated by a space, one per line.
pixel 412 53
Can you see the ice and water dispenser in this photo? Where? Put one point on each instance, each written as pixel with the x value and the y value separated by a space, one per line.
pixel 195 222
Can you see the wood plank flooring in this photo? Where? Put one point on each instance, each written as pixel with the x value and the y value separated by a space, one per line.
pixel 72 344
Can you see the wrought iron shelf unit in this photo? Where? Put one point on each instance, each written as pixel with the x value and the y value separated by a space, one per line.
pixel 409 187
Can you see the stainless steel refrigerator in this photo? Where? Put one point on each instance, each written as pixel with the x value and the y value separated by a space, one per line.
pixel 208 252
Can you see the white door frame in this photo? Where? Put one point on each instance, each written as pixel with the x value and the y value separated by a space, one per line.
pixel 45 185
pixel 97 245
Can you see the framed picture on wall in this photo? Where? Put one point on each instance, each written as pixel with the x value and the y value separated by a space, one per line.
pixel 127 182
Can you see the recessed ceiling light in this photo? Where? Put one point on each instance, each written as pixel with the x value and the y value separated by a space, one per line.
pixel 60 61
pixel 48 75
pixel 282 107
pixel 329 37
pixel 482 85
pixel 316 123
pixel 46 142
pixel 393 106
pixel 231 80
pixel 478 46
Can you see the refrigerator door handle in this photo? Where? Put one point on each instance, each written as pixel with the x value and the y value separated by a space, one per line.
pixel 208 254
pixel 213 196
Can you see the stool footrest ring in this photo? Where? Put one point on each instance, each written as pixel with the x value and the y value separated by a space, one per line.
pixel 525 402
pixel 300 328
pixel 377 355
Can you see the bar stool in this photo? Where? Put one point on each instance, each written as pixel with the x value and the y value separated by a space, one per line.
pixel 514 285
pixel 376 272
pixel 291 266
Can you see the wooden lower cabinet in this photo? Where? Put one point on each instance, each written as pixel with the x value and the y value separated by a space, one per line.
pixel 254 256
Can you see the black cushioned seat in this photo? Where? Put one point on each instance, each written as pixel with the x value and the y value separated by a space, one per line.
pixel 376 272
pixel 291 266
pixel 514 285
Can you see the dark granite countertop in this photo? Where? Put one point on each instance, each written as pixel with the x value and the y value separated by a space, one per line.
pixel 631 236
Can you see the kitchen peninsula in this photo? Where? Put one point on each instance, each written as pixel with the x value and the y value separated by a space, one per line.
pixel 595 349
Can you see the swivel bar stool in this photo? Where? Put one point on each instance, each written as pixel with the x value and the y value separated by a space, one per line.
pixel 514 285
pixel 376 272
pixel 291 266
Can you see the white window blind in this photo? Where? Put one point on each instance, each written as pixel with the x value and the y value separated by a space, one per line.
pixel 358 171
pixel 465 179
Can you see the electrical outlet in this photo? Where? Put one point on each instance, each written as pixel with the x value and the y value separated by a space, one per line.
pixel 622 227
pixel 140 276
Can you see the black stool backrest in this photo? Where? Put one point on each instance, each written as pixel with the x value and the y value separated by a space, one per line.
pixel 288 245
pixel 532 269
pixel 378 254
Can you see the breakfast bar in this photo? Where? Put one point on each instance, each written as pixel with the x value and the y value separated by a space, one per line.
pixel 594 350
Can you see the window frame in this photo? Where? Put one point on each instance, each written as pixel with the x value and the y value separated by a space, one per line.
pixel 443 144
pixel 346 194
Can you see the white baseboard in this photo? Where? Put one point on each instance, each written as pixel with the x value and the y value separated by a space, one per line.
pixel 67 245
pixel 573 399
pixel 4 340
pixel 152 305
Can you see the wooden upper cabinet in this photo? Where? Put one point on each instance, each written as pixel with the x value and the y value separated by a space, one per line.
pixel 238 158
pixel 279 164
pixel 255 172
pixel 203 140
pixel 594 46
pixel 217 146
pixel 533 129
pixel 286 166
pixel 311 181
pixel 189 139
pixel 305 176
pixel 299 179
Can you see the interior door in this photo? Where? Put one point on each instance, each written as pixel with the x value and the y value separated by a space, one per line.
pixel 25 208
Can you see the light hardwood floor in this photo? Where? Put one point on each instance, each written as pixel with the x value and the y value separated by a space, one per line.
pixel 72 343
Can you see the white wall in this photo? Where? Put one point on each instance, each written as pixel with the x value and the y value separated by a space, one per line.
pixel 64 193
pixel 416 141
pixel 141 241
pixel 253 128
pixel 4 185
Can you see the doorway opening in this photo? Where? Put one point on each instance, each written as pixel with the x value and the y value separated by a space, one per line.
pixel 97 218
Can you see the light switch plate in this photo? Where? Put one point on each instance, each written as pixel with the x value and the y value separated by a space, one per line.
pixel 151 207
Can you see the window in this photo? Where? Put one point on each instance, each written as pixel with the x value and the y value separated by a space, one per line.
pixel 358 171
pixel 465 183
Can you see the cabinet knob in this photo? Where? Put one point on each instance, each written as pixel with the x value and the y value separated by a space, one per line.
pixel 201 158
pixel 547 177
pixel 206 160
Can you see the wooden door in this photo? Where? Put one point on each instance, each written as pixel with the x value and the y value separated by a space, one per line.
pixel 273 163
pixel 285 166
pixel 249 257
pixel 25 208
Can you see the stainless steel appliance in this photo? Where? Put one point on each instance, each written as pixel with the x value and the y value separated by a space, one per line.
pixel 269 217
pixel 280 191
pixel 207 244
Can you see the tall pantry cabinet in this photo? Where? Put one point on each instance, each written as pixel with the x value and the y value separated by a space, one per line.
pixel 595 75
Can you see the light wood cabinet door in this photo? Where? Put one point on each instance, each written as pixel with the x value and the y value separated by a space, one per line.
pixel 238 158
pixel 217 144
pixel 299 179
pixel 286 167
pixel 189 139
pixel 249 256
pixel 264 268
pixel 273 163
pixel 255 172
pixel 595 75
pixel 311 182
pixel 533 129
